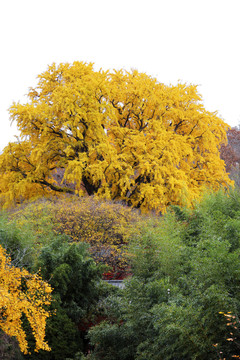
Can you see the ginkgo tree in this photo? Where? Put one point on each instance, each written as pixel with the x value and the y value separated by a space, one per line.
pixel 23 293
pixel 120 135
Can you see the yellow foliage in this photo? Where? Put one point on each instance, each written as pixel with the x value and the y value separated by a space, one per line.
pixel 120 135
pixel 23 293
pixel 104 225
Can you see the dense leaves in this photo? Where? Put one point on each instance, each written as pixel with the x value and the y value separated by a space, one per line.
pixel 106 226
pixel 23 293
pixel 120 135
pixel 75 278
pixel 18 242
pixel 73 275
pixel 183 299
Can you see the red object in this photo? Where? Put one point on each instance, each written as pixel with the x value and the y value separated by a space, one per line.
pixel 117 274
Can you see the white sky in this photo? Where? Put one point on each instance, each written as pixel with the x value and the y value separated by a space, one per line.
pixel 194 41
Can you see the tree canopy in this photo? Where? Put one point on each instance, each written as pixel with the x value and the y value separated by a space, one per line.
pixel 121 135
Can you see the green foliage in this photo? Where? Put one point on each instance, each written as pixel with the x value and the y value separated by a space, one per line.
pixel 17 243
pixel 106 226
pixel 151 253
pixel 75 278
pixel 186 276
pixel 63 335
pixel 113 342
pixel 73 274
pixel 176 306
pixel 70 269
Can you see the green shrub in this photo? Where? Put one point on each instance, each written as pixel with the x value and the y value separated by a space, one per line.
pixel 19 244
pixel 186 276
pixel 106 226
pixel 75 278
